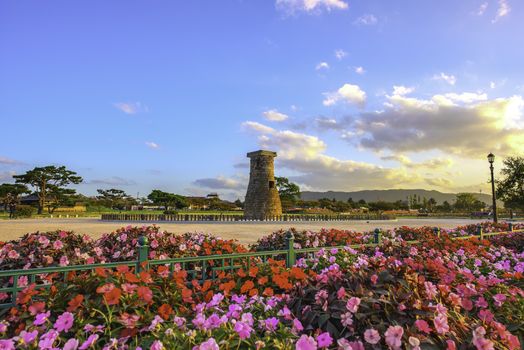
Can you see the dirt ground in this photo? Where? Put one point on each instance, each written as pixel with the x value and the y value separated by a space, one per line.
pixel 246 233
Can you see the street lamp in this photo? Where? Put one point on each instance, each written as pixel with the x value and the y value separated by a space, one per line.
pixel 491 160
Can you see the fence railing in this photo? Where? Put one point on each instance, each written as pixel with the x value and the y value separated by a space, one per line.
pixel 199 268
pixel 241 218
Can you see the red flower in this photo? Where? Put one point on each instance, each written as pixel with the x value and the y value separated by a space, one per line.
pixel 145 294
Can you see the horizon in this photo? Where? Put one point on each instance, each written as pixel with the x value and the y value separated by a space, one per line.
pixel 351 95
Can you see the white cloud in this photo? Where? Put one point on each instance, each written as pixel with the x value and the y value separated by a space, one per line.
pixel 401 90
pixel 131 107
pixel 482 8
pixel 291 7
pixel 7 175
pixel 347 93
pixel 466 124
pixel 366 20
pixel 274 115
pixel 113 181
pixel 152 145
pixel 434 163
pixel 502 11
pixel 324 123
pixel 9 161
pixel 450 79
pixel 340 54
pixel 305 155
pixel 322 65
pixel 220 182
pixel 360 70
pixel 492 84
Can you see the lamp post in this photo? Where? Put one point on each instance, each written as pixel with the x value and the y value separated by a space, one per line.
pixel 491 160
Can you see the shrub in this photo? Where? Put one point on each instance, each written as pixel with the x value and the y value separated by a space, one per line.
pixel 24 211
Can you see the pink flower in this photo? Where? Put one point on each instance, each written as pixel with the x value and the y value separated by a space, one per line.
pixel 129 320
pixel 344 344
pixel 71 344
pixel 483 344
pixel 374 279
pixel 352 304
pixel 341 293
pixel 64 261
pixel 499 299
pixel 451 345
pixel 441 324
pixel 486 315
pixel 346 319
pixel 13 254
pixel 210 344
pixel 371 336
pixel 321 296
pixel 306 343
pixel 64 322
pixel 324 340
pixel 414 342
pixel 481 303
pixel 394 337
pixel 58 244
pixel 423 326
pixel 243 330
pixel 431 290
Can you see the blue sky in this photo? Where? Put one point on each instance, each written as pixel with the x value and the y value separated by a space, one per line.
pixel 352 94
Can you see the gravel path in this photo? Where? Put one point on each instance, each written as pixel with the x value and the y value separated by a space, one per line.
pixel 246 233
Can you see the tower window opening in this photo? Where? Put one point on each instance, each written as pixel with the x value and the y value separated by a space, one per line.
pixel 271 184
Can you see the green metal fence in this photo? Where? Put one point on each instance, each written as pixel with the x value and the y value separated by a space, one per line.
pixel 199 268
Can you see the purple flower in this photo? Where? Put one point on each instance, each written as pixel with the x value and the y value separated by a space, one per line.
pixel 47 340
pixel 72 344
pixel 210 344
pixel 243 330
pixel 238 299
pixel 7 344
pixel 157 345
pixel 297 326
pixel 41 318
pixel 89 342
pixel 324 340
pixel 212 322
pixel 179 321
pixel 306 343
pixel 28 337
pixel 271 324
pixel 64 322
pixel 247 318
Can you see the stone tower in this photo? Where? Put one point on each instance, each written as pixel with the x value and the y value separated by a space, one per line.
pixel 262 198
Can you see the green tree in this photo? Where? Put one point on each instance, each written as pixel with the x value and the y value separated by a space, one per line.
pixel 287 190
pixel 239 203
pixel 10 194
pixel 48 181
pixel 167 199
pixel 510 189
pixel 115 198
pixel 59 197
pixel 468 202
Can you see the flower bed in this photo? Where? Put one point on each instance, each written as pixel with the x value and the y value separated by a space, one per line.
pixel 440 294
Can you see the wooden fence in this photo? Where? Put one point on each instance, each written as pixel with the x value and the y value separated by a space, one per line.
pixel 241 218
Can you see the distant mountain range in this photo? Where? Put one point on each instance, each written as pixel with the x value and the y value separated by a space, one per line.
pixel 389 195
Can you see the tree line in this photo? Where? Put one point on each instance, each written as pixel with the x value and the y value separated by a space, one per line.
pixel 51 186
